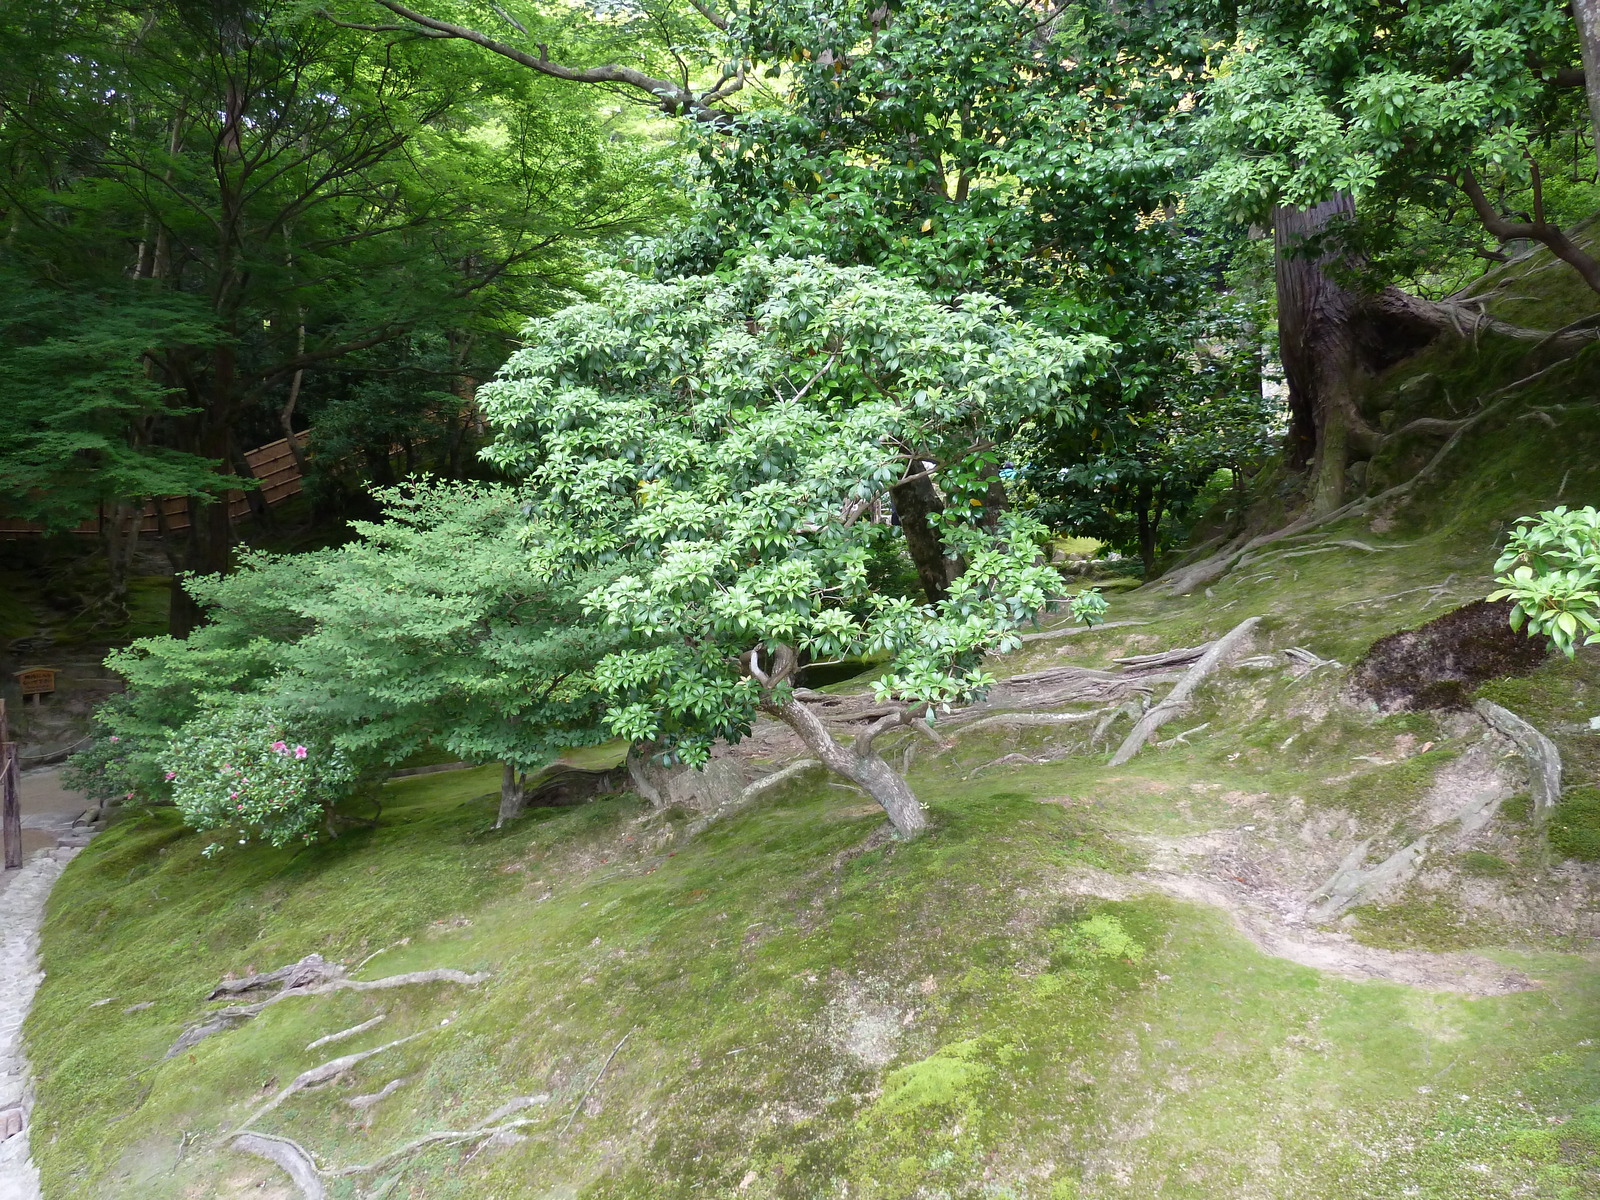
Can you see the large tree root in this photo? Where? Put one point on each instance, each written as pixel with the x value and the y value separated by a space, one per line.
pixel 1187 579
pixel 1178 699
pixel 289 1155
pixel 323 1073
pixel 298 1163
pixel 1544 760
pixel 225 1019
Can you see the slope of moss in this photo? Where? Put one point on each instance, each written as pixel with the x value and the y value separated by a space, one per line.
pixel 791 1005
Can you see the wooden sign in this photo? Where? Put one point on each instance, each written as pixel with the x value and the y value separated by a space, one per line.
pixel 36 681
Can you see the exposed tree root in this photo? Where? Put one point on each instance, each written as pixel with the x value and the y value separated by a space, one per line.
pixel 1014 720
pixel 321 1074
pixel 225 1019
pixel 297 1162
pixel 1180 657
pixel 289 1155
pixel 1544 760
pixel 1178 699
pixel 311 969
pixel 346 1033
pixel 364 1102
pixel 1187 579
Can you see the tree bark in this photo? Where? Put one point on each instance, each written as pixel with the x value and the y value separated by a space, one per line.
pixel 1318 342
pixel 1587 14
pixel 862 766
pixel 1148 525
pixel 513 797
pixel 916 502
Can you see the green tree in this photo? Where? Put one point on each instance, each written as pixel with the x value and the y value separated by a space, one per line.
pixel 1345 126
pixel 317 196
pixel 430 629
pixel 725 442
pixel 81 412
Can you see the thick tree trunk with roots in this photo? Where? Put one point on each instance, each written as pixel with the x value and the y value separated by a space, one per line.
pixel 859 763
pixel 1318 341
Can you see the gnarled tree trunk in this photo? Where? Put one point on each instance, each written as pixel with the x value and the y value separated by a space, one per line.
pixel 859 763
pixel 1318 338
pixel 916 503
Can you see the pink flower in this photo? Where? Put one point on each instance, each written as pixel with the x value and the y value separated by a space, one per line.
pixel 115 738
pixel 299 751
pixel 233 795
pixel 129 796
pixel 171 775
pixel 281 747
pixel 241 808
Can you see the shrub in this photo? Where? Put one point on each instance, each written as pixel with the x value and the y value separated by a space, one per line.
pixel 240 767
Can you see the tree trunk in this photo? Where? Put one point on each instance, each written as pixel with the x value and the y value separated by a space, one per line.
pixel 867 770
pixel 1587 13
pixel 648 779
pixel 119 532
pixel 1147 530
pixel 916 503
pixel 1317 321
pixel 513 797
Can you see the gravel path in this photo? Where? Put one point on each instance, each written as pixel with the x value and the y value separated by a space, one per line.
pixel 48 813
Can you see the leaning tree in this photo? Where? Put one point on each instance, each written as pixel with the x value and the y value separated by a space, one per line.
pixel 735 444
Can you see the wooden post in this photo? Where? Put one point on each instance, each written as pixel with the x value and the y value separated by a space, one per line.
pixel 10 799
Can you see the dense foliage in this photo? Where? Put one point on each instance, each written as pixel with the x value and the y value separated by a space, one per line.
pixel 729 442
pixel 254 219
pixel 430 631
pixel 1551 569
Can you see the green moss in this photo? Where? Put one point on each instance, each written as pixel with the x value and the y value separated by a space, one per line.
pixel 948 1078
pixel 1484 864
pixel 1422 920
pixel 1573 827
pixel 1389 791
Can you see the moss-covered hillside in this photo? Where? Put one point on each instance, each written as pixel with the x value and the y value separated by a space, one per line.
pixel 1086 984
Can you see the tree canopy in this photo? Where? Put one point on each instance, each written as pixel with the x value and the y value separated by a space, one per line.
pixel 728 442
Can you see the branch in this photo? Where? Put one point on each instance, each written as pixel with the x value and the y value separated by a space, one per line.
pixel 721 22
pixel 670 97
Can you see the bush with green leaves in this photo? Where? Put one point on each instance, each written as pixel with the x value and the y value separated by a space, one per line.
pixel 430 630
pixel 726 441
pixel 240 767
pixel 1551 569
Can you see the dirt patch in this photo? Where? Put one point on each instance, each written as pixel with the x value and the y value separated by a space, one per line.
pixel 1438 664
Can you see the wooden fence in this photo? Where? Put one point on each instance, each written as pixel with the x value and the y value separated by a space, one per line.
pixel 273 464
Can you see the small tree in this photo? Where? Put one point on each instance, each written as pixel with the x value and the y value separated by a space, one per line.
pixel 729 441
pixel 431 628
pixel 1551 568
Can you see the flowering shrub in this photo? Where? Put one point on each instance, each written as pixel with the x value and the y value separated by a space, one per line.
pixel 238 767
pixel 114 768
